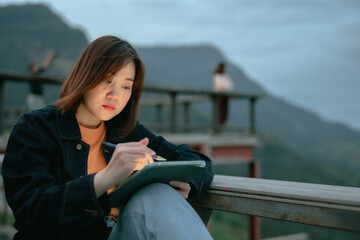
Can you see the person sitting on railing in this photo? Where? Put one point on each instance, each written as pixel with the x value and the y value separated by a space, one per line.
pixel 222 83
pixel 57 177
pixel 35 98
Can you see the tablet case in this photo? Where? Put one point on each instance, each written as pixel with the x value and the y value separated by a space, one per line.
pixel 162 172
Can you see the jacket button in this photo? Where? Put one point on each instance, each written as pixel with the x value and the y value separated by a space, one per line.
pixel 78 146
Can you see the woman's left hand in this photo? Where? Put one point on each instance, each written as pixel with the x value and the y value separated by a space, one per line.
pixel 181 187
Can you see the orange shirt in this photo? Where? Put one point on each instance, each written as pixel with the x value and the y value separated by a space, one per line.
pixel 96 159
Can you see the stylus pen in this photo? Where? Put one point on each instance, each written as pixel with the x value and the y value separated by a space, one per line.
pixel 154 157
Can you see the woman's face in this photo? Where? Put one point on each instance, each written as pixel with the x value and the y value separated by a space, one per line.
pixel 108 98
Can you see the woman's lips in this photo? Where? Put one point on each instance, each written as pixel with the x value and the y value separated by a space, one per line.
pixel 109 107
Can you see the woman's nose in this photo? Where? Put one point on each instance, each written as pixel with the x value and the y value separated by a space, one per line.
pixel 112 94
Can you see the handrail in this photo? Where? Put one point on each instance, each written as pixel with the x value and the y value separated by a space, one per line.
pixel 195 91
pixel 23 77
pixel 167 101
pixel 174 92
pixel 314 204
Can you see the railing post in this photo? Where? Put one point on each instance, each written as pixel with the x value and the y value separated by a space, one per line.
pixel 254 222
pixel 1 104
pixel 173 112
pixel 159 117
pixel 215 112
pixel 186 116
pixel 252 115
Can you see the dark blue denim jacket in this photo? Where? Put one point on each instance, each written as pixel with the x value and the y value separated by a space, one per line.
pixel 46 180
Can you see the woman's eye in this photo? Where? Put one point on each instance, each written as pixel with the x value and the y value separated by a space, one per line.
pixel 108 81
pixel 126 87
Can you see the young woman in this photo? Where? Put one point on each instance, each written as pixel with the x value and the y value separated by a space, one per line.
pixel 57 176
pixel 222 83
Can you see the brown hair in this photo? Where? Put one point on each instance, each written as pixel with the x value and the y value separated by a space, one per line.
pixel 105 55
pixel 220 68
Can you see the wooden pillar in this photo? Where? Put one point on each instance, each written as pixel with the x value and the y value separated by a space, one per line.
pixel 186 117
pixel 254 222
pixel 173 112
pixel 1 104
pixel 254 168
pixel 252 115
pixel 159 117
pixel 215 114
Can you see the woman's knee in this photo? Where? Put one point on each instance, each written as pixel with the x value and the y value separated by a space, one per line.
pixel 159 208
pixel 155 199
pixel 155 192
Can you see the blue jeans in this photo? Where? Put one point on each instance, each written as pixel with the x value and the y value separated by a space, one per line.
pixel 157 211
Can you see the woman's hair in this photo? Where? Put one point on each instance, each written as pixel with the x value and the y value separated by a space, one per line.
pixel 104 56
pixel 220 68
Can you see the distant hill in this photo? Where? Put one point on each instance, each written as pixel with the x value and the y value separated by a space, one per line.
pixel 305 132
pixel 28 33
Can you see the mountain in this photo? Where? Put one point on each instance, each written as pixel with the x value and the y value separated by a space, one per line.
pixel 305 132
pixel 28 34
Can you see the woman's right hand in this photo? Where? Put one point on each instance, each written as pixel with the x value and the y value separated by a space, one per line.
pixel 127 158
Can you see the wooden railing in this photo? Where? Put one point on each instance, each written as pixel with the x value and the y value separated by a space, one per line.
pixel 314 204
pixel 187 96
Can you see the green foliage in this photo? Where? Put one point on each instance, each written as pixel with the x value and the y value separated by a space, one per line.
pixel 306 133
pixel 10 218
pixel 231 226
pixel 228 226
pixel 279 161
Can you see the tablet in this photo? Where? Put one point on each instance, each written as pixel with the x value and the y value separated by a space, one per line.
pixel 156 172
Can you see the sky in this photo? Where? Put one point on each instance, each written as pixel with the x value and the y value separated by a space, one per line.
pixel 304 51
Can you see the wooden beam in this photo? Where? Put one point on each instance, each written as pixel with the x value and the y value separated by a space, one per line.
pixel 314 204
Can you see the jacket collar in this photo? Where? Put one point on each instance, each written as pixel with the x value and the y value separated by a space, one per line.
pixel 112 133
pixel 67 126
pixel 69 129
